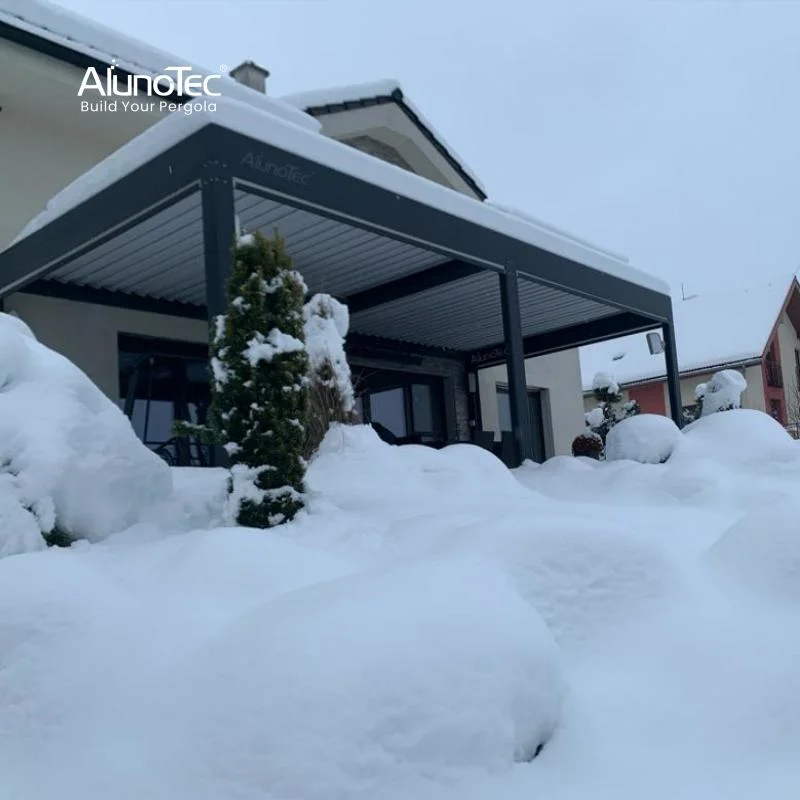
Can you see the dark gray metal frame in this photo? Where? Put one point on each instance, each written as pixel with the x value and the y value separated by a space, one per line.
pixel 215 160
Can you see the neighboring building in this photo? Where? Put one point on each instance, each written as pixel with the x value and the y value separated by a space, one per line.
pixel 121 274
pixel 755 330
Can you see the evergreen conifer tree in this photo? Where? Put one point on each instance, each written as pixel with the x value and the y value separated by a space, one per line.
pixel 260 383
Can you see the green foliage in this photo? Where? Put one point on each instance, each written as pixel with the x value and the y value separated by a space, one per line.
pixel 260 383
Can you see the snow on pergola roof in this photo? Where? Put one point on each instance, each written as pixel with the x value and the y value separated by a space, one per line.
pixel 260 124
pixel 417 262
pixel 341 98
pixel 52 23
pixel 713 330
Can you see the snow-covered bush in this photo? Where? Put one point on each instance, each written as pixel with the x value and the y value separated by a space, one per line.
pixel 646 438
pixel 722 393
pixel 589 445
pixel 330 394
pixel 362 682
pixel 260 383
pixel 70 464
pixel 611 410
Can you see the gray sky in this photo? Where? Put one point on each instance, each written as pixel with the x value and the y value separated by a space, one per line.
pixel 669 131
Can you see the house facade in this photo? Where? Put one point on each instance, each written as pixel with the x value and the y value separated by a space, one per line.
pixel 754 330
pixel 141 336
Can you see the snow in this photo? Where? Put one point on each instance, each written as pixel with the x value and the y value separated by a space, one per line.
pixel 604 382
pixel 432 625
pixel 262 125
pixel 335 95
pixel 70 459
pixel 594 418
pixel 723 391
pixel 275 343
pixel 726 327
pixel 81 35
pixel 646 438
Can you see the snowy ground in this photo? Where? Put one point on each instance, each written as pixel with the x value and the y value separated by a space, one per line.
pixel 420 632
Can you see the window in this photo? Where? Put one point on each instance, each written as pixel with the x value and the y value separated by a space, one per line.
pixel 161 382
pixel 388 408
pixel 773 368
pixel 776 409
pixel 408 405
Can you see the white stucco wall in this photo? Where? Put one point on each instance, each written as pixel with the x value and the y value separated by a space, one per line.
pixel 559 375
pixel 87 334
pixel 46 141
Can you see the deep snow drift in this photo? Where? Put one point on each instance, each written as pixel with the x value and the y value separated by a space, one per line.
pixel 424 629
pixel 69 459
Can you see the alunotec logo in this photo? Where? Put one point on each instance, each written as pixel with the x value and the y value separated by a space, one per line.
pixel 109 89
pixel 286 172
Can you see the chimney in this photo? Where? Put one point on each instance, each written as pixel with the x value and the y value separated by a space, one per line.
pixel 250 74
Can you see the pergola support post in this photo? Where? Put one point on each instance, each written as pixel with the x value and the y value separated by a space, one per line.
pixel 673 374
pixel 517 385
pixel 219 230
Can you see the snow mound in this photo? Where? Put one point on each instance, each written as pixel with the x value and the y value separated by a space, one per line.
pixel 646 438
pixel 581 575
pixel 762 551
pixel 69 457
pixel 353 686
pixel 723 391
pixel 355 470
pixel 738 436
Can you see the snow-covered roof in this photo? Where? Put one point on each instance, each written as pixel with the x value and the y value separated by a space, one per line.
pixel 389 88
pixel 722 327
pixel 260 124
pixel 79 34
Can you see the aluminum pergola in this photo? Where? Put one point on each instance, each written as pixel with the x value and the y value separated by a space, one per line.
pixel 417 274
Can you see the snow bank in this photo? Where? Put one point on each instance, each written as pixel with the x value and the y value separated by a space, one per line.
pixel 646 438
pixel 70 459
pixel 762 551
pixel 723 391
pixel 364 684
pixel 355 470
pixel 738 436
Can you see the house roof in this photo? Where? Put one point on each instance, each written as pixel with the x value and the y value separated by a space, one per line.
pixel 712 330
pixel 362 95
pixel 48 28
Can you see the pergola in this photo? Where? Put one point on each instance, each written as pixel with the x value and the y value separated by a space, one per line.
pixel 422 268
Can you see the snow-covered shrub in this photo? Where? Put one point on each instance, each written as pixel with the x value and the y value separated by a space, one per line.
pixel 588 444
pixel 646 438
pixel 260 383
pixel 611 410
pixel 360 683
pixel 722 393
pixel 70 464
pixel 330 393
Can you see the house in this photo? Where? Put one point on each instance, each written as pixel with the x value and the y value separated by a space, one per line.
pixel 755 330
pixel 143 195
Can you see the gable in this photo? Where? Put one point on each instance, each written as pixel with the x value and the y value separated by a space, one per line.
pixel 377 118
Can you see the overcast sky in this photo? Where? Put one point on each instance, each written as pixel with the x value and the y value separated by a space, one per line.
pixel 668 131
